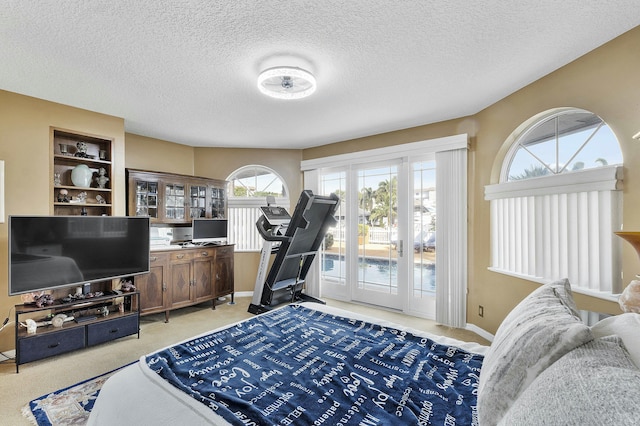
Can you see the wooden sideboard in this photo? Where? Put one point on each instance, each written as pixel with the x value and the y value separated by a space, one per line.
pixel 186 276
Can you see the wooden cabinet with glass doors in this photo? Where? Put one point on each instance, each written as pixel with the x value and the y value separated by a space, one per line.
pixel 172 198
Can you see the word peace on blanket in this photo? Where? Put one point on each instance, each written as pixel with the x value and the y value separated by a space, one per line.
pixel 300 366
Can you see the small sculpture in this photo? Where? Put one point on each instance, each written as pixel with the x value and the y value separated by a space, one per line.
pixel 43 300
pixel 58 320
pixel 82 197
pixel 629 300
pixel 82 150
pixel 127 286
pixel 63 196
pixel 30 325
pixel 102 179
pixel 100 199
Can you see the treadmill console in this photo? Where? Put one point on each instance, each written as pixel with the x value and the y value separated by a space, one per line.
pixel 276 215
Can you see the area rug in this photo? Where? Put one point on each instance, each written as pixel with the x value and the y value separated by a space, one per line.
pixel 68 406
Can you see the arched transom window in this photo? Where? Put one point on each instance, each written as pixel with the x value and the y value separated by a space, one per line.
pixel 563 142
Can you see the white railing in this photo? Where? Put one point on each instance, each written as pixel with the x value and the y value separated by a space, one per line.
pixel 376 235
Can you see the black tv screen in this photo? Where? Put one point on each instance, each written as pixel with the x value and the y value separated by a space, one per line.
pixel 209 230
pixel 48 252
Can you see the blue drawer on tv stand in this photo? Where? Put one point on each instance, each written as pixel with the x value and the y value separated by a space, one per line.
pixel 52 343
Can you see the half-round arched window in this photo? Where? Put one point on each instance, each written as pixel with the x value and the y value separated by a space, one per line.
pixel 256 182
pixel 561 142
pixel 558 203
pixel 249 187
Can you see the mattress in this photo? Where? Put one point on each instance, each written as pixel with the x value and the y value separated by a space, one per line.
pixel 139 394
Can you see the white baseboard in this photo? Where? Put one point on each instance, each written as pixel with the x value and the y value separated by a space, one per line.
pixel 480 331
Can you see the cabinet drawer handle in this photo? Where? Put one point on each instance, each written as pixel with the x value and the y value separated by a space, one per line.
pixel 54 345
pixel 204 254
pixel 180 256
pixel 115 330
pixel 153 259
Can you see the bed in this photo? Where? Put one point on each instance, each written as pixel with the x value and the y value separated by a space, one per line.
pixel 300 364
pixel 326 366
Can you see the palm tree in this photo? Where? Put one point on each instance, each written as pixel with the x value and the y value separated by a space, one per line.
pixel 386 198
pixel 366 199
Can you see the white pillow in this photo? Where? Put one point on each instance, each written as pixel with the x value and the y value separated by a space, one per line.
pixel 536 333
pixel 627 327
pixel 595 384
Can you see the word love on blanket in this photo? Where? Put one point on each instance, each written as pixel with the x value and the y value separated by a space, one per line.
pixel 300 366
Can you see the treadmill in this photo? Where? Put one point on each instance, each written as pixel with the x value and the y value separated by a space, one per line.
pixel 294 240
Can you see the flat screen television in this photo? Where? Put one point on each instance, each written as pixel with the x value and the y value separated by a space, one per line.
pixel 205 231
pixel 48 252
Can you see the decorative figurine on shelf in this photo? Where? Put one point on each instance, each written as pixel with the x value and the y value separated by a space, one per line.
pixel 82 197
pixel 63 196
pixel 43 300
pixel 82 150
pixel 100 199
pixel 127 286
pixel 30 325
pixel 81 175
pixel 102 179
pixel 56 179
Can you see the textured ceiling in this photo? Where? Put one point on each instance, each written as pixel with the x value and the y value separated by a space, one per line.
pixel 185 71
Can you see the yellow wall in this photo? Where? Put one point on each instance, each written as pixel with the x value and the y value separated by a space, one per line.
pixel 607 82
pixel 145 153
pixel 25 147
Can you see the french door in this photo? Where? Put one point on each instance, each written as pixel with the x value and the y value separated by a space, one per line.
pixel 382 251
pixel 377 267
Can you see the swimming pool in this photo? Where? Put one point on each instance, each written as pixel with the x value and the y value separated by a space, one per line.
pixel 378 271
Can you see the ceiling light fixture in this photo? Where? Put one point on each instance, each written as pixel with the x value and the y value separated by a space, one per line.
pixel 286 83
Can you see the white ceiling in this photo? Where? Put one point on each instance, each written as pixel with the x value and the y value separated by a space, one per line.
pixel 185 71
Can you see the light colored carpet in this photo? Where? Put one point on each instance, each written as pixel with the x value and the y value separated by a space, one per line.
pixel 40 377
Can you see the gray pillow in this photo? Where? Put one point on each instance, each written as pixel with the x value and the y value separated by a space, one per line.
pixel 595 384
pixel 535 334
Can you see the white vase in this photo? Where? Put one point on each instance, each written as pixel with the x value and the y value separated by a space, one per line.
pixel 81 175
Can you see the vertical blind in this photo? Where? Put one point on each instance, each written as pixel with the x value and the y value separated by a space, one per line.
pixel 559 227
pixel 451 235
pixel 242 229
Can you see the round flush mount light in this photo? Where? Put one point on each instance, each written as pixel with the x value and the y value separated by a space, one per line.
pixel 286 83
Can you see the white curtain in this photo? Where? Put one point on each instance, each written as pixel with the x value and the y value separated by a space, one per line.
pixel 451 237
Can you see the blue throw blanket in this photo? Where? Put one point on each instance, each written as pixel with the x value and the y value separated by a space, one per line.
pixel 301 366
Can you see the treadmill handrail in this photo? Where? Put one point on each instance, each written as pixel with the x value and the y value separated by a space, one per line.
pixel 266 234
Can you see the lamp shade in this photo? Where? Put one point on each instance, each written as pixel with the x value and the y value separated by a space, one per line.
pixel 632 238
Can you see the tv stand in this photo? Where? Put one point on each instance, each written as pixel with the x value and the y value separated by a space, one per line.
pixel 96 320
